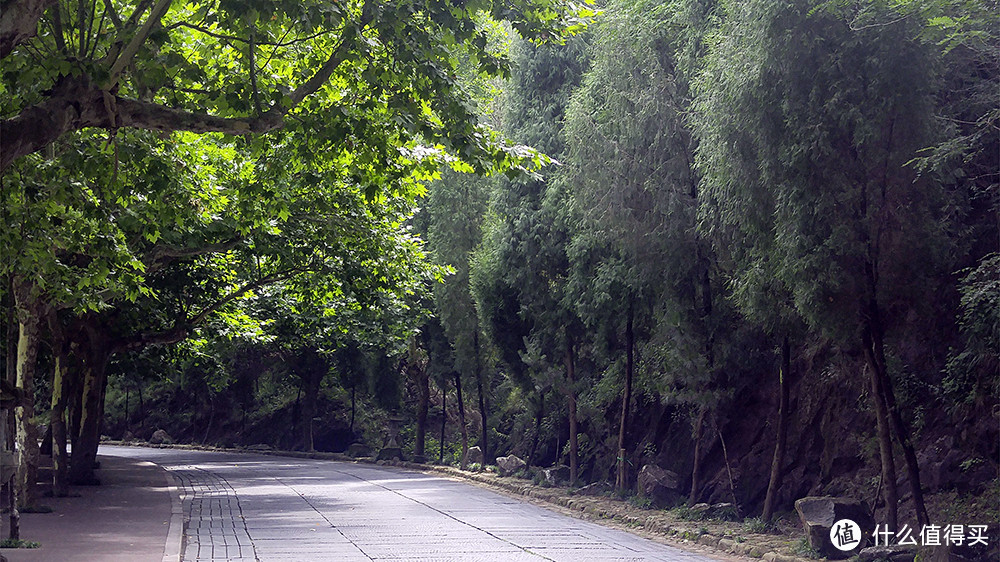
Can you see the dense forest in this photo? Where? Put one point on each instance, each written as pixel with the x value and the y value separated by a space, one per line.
pixel 752 242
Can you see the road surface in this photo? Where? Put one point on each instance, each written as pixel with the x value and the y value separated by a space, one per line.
pixel 257 507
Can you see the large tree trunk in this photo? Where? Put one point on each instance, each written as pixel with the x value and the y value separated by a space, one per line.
pixel 571 399
pixel 621 481
pixel 774 484
pixel 461 419
pixel 61 359
pixel 95 362
pixel 8 497
pixel 29 335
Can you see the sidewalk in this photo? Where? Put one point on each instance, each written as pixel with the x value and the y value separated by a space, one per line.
pixel 127 518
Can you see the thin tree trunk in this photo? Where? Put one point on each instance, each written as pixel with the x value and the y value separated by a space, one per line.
pixel 909 454
pixel 696 465
pixel 774 484
pixel 211 416
pixel 29 334
pixel 444 416
pixel 621 482
pixel 461 420
pixel 539 416
pixel 483 415
pixel 353 407
pixel 889 491
pixel 142 408
pixel 311 380
pixel 423 403
pixel 571 398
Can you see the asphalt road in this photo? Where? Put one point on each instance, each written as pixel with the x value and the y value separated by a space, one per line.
pixel 259 507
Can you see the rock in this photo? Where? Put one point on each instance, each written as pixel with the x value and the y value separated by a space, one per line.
pixel 893 553
pixel 161 437
pixel 474 456
pixel 659 485
pixel 595 489
pixel 701 508
pixel 818 515
pixel 259 447
pixel 947 554
pixel 128 437
pixel 359 450
pixel 557 475
pixel 390 453
pixel 509 465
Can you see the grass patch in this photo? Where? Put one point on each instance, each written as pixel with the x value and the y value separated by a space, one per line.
pixel 685 513
pixel 805 550
pixel 759 526
pixel 18 543
pixel 640 501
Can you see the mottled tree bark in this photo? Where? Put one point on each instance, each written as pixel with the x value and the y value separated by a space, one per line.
pixel 26 434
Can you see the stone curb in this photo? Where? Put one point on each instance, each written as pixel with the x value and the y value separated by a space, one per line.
pixel 175 530
pixel 549 495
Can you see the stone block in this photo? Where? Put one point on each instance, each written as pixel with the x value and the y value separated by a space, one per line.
pixel 659 485
pixel 818 515
pixel 509 465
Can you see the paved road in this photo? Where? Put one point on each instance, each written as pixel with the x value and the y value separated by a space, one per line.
pixel 258 507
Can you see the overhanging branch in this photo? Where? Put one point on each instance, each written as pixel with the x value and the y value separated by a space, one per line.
pixel 182 329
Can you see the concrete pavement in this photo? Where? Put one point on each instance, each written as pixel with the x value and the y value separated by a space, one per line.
pixel 254 507
pixel 240 506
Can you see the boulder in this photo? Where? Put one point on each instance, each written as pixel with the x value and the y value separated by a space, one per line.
pixel 509 465
pixel 892 553
pixel 359 450
pixel 161 437
pixel 818 515
pixel 474 456
pixel 659 485
pixel 390 453
pixel 557 475
pixel 595 489
pixel 128 437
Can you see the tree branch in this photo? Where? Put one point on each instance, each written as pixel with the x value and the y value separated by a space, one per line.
pixel 140 37
pixel 19 22
pixel 161 255
pixel 181 330
pixel 75 103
